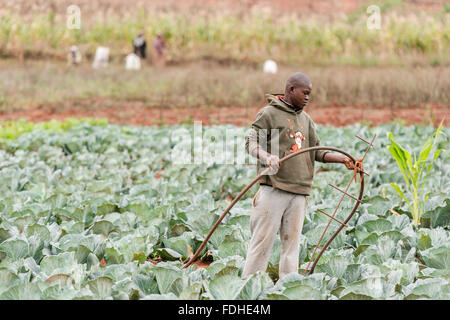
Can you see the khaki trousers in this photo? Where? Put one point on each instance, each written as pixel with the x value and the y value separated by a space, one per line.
pixel 272 210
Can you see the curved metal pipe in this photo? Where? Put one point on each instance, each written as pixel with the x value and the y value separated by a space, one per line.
pixel 361 191
pixel 264 172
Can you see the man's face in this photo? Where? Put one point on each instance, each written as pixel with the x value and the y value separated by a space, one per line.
pixel 300 95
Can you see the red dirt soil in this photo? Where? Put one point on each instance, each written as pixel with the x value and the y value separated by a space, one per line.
pixel 137 113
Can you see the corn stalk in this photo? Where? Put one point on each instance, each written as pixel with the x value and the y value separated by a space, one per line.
pixel 415 171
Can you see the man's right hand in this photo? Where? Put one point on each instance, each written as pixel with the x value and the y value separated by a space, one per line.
pixel 273 162
pixel 267 159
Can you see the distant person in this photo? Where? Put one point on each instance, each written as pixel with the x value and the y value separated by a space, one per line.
pixel 159 44
pixel 132 62
pixel 74 56
pixel 140 45
pixel 270 66
pixel 101 58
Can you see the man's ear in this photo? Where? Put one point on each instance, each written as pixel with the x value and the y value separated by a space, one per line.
pixel 291 89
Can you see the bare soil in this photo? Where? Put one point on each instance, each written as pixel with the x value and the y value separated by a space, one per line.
pixel 138 113
pixel 198 263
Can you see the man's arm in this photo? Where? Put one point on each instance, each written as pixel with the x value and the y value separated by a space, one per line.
pixel 327 156
pixel 252 145
pixel 338 158
pixel 271 160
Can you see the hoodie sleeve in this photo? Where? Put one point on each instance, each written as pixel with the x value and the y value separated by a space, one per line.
pixel 315 141
pixel 261 122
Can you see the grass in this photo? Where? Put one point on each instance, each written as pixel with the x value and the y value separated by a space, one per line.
pixel 215 85
pixel 407 37
pixel 13 129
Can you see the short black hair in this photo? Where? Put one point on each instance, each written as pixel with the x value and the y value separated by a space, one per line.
pixel 297 79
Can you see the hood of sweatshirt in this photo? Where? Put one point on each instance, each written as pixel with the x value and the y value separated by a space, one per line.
pixel 274 100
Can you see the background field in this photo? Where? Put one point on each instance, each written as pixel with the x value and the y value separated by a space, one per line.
pixel 211 44
pixel 246 33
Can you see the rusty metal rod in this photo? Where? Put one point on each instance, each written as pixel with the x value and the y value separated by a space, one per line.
pixel 370 145
pixel 351 196
pixel 332 217
pixel 361 191
pixel 192 259
pixel 326 228
pixel 364 140
pixel 365 173
pixel 325 246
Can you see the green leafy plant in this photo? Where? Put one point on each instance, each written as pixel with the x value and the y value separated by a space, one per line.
pixel 103 212
pixel 14 128
pixel 415 171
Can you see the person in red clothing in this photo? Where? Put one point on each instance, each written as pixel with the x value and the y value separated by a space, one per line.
pixel 159 44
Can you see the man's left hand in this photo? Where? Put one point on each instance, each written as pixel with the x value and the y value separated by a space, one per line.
pixel 339 158
pixel 349 163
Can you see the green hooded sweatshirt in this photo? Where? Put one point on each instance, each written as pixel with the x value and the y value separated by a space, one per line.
pixel 294 130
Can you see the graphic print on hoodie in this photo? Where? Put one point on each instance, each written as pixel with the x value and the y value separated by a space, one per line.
pixel 295 130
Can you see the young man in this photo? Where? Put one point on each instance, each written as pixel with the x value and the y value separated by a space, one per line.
pixel 280 203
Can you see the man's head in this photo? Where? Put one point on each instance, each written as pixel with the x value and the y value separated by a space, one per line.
pixel 298 89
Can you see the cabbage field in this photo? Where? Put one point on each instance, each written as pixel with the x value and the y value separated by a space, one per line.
pixel 103 212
